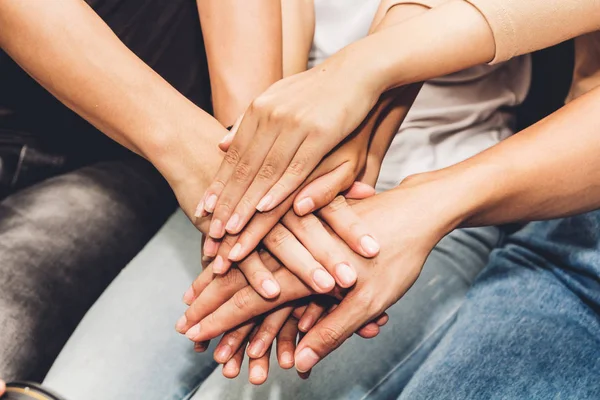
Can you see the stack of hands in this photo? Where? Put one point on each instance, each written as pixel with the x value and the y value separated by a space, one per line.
pixel 321 259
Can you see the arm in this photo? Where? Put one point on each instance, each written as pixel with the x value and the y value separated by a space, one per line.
pixel 87 67
pixel 298 18
pixel 243 43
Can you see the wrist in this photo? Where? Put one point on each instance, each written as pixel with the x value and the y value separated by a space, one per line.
pixel 185 151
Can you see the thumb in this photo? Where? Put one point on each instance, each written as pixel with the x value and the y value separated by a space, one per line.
pixel 323 190
pixel 329 333
pixel 227 139
pixel 359 191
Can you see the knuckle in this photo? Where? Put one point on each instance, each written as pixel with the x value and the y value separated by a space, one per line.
pixel 260 104
pixel 232 157
pixel 267 332
pixel 242 172
pixel 267 172
pixel 297 168
pixel 278 236
pixel 338 203
pixel 234 337
pixel 331 336
pixel 230 279
pixel 308 223
pixel 241 299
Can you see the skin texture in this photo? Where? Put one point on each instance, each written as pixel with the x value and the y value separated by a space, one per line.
pixel 510 182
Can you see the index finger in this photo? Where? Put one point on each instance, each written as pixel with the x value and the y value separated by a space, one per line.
pixel 333 330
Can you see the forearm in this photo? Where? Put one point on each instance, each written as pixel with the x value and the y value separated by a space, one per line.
pixel 394 105
pixel 70 51
pixel 455 36
pixel 298 18
pixel 243 41
pixel 549 170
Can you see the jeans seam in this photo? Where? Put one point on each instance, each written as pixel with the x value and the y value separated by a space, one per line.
pixel 417 347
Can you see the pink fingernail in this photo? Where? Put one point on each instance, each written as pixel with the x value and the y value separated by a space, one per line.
pixel 369 245
pixel 230 367
pixel 210 247
pixel 233 222
pixel 193 332
pixel 323 280
pixel 257 373
pixel 270 287
pixel 287 359
pixel 216 229
pixel 210 203
pixel 305 206
pixel 305 323
pixel 235 252
pixel 256 349
pixel 188 297
pixel 264 203
pixel 306 360
pixel 181 323
pixel 345 274
pixel 218 265
pixel 226 138
pixel 224 353
pixel 199 209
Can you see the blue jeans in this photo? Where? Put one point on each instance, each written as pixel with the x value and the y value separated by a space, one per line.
pixel 530 327
pixel 126 346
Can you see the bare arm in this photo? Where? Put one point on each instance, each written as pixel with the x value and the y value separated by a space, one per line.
pixel 243 43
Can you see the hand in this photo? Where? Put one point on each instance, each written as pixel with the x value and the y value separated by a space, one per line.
pixel 285 134
pixel 293 253
pixel 2 387
pixel 411 218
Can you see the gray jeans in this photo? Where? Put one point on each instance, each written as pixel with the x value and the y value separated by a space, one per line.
pixel 62 242
pixel 126 346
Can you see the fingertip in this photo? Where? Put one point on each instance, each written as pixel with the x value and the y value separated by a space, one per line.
pixel 370 247
pixel 306 359
pixel 346 275
pixel 323 281
pixel 231 369
pixel 235 252
pixel 304 206
pixel 271 288
pixel 286 361
pixel 188 296
pixel 258 375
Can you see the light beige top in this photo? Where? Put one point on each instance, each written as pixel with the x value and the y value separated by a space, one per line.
pixel 523 26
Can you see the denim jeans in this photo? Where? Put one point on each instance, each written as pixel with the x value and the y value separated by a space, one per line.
pixel 530 327
pixel 126 346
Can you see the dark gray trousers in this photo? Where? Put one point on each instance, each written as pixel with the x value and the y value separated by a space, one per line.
pixel 67 230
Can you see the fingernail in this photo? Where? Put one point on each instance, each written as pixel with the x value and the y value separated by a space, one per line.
pixel 218 265
pixel 323 280
pixel 235 252
pixel 210 203
pixel 193 332
pixel 306 360
pixel 233 222
pixel 264 203
pixel 230 367
pixel 305 323
pixel 369 245
pixel 224 353
pixel 257 373
pixel 226 138
pixel 270 287
pixel 210 248
pixel 200 347
pixel 256 349
pixel 199 209
pixel 287 359
pixel 345 274
pixel 188 296
pixel 216 229
pixel 181 322
pixel 305 206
